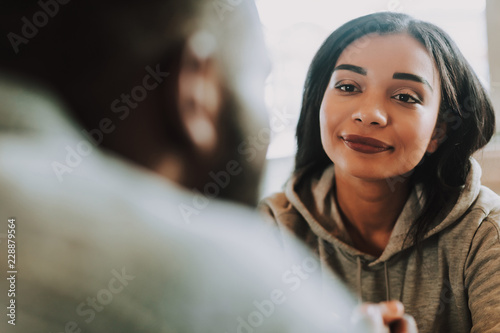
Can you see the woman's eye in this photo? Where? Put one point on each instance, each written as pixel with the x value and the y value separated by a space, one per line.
pixel 406 98
pixel 347 88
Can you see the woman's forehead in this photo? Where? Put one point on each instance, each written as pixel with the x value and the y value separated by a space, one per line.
pixel 387 54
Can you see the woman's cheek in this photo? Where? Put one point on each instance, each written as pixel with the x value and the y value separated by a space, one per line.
pixel 325 122
pixel 414 149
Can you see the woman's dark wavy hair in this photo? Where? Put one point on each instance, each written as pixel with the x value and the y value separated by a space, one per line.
pixel 465 108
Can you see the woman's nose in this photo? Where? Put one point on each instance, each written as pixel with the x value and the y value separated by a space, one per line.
pixel 370 116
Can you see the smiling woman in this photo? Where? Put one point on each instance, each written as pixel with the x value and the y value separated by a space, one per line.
pixel 384 187
pixel 378 114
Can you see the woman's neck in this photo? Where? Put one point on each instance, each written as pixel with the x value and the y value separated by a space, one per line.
pixel 369 209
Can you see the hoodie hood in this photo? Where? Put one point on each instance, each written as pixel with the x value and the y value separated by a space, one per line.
pixel 314 198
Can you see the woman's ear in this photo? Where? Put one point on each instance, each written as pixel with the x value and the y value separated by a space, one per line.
pixel 438 136
pixel 200 93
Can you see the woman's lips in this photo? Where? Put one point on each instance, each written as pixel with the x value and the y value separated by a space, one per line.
pixel 364 144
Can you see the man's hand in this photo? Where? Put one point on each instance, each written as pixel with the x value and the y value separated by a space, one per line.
pixel 385 317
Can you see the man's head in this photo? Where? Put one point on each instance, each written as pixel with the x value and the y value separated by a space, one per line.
pixel 175 86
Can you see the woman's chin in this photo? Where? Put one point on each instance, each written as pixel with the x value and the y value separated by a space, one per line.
pixel 371 173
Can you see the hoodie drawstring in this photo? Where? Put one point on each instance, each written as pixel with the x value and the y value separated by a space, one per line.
pixel 360 292
pixel 387 283
pixel 387 286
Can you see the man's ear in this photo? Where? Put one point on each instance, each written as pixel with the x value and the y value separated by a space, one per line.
pixel 200 93
pixel 438 136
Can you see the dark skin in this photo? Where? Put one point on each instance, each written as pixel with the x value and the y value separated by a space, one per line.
pixel 378 119
pixel 365 207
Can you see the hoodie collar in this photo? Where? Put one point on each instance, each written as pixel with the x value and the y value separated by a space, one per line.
pixel 314 198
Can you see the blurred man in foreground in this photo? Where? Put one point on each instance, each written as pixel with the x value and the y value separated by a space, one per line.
pixel 110 110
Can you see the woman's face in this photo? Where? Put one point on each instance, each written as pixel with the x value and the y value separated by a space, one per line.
pixel 379 111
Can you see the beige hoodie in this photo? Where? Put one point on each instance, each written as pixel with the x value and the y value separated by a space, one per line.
pixel 454 287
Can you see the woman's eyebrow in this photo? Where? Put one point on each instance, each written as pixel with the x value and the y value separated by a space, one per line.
pixel 411 77
pixel 355 69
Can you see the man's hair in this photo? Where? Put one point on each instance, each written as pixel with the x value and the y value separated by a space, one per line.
pixel 91 52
